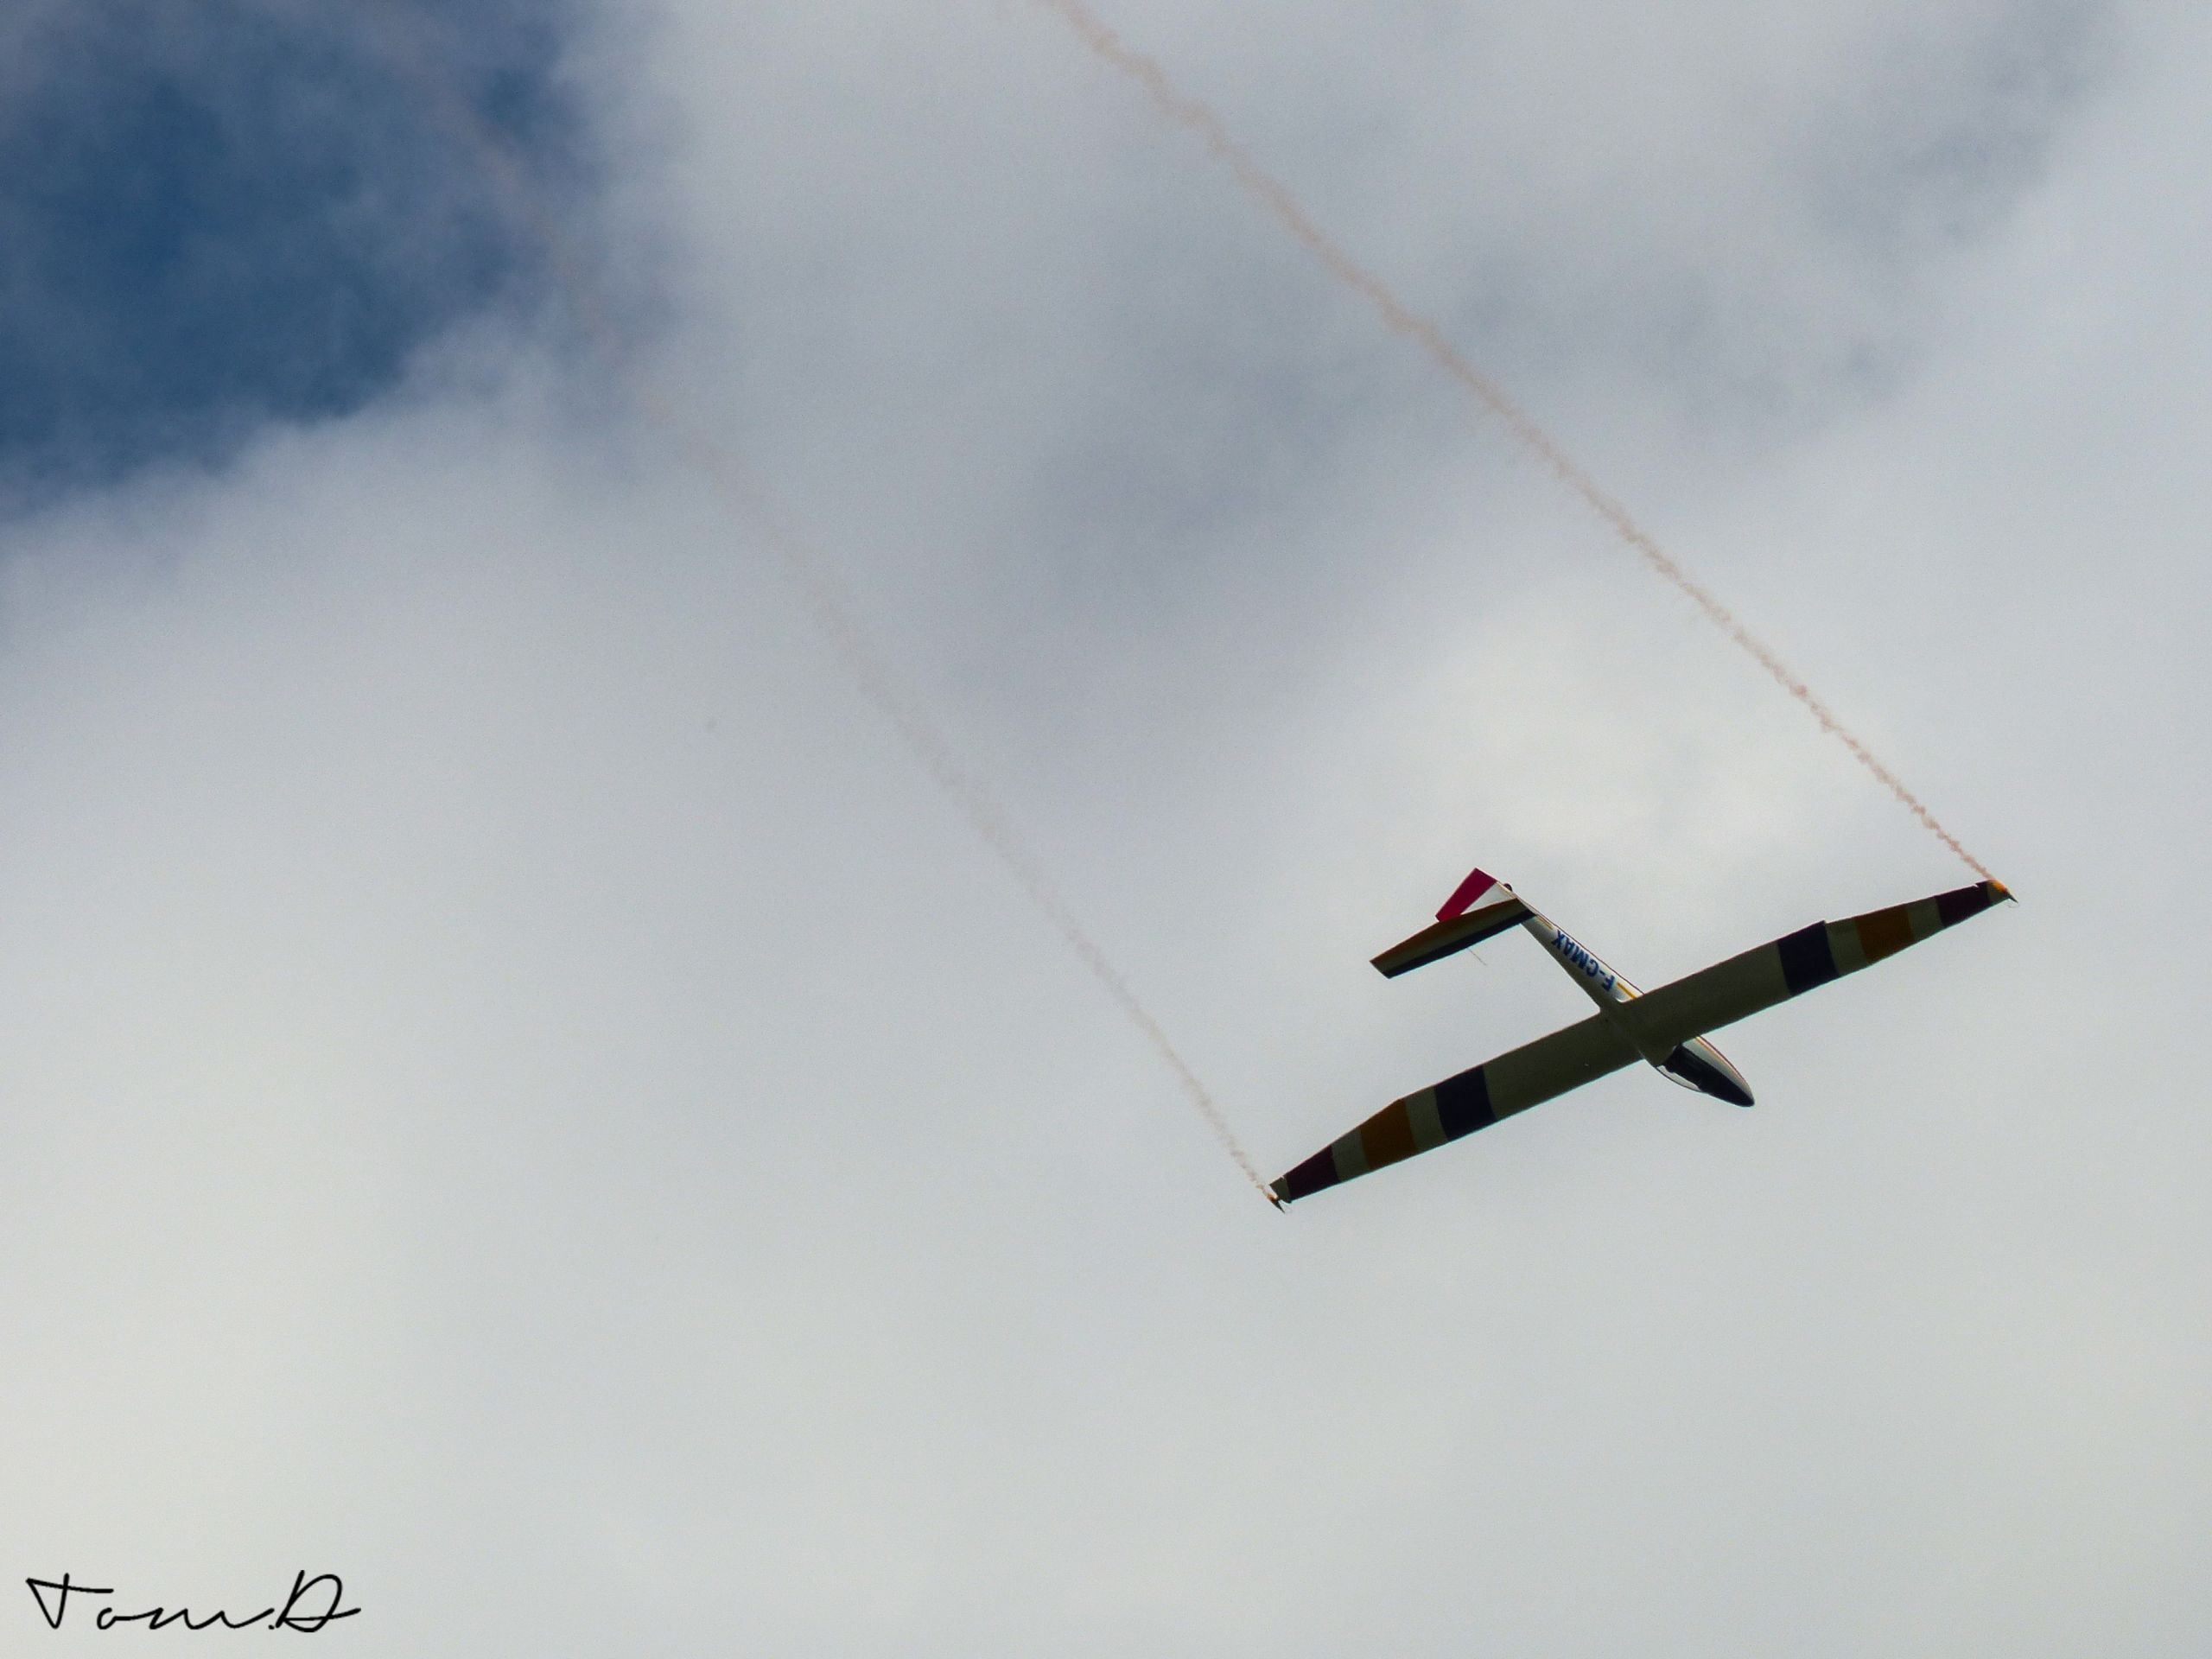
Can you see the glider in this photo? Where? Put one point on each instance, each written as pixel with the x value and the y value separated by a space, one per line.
pixel 1665 1027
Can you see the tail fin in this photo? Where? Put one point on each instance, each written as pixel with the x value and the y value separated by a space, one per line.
pixel 1480 907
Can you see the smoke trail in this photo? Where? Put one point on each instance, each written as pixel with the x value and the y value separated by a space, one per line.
pixel 826 603
pixel 1274 195
pixel 837 621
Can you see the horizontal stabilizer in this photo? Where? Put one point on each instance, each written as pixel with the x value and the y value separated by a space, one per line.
pixel 1481 908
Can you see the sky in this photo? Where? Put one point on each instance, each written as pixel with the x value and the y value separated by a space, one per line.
pixel 529 1092
pixel 230 216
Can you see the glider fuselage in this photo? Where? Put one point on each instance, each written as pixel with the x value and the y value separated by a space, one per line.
pixel 1694 1064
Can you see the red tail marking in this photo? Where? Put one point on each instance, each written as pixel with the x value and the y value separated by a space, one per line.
pixel 1472 889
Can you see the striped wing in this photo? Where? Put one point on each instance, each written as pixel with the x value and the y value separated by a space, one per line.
pixel 1790 966
pixel 1512 1083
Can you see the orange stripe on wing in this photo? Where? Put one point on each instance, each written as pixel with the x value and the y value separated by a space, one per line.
pixel 1885 933
pixel 1387 1136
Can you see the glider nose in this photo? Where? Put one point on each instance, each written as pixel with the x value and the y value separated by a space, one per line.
pixel 1698 1064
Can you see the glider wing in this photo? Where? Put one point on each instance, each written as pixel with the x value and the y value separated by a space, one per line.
pixel 1475 1099
pixel 1790 966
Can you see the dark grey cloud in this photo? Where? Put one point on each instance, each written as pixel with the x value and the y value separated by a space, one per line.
pixel 215 217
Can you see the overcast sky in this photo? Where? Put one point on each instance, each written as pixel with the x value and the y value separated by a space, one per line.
pixel 525 1092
